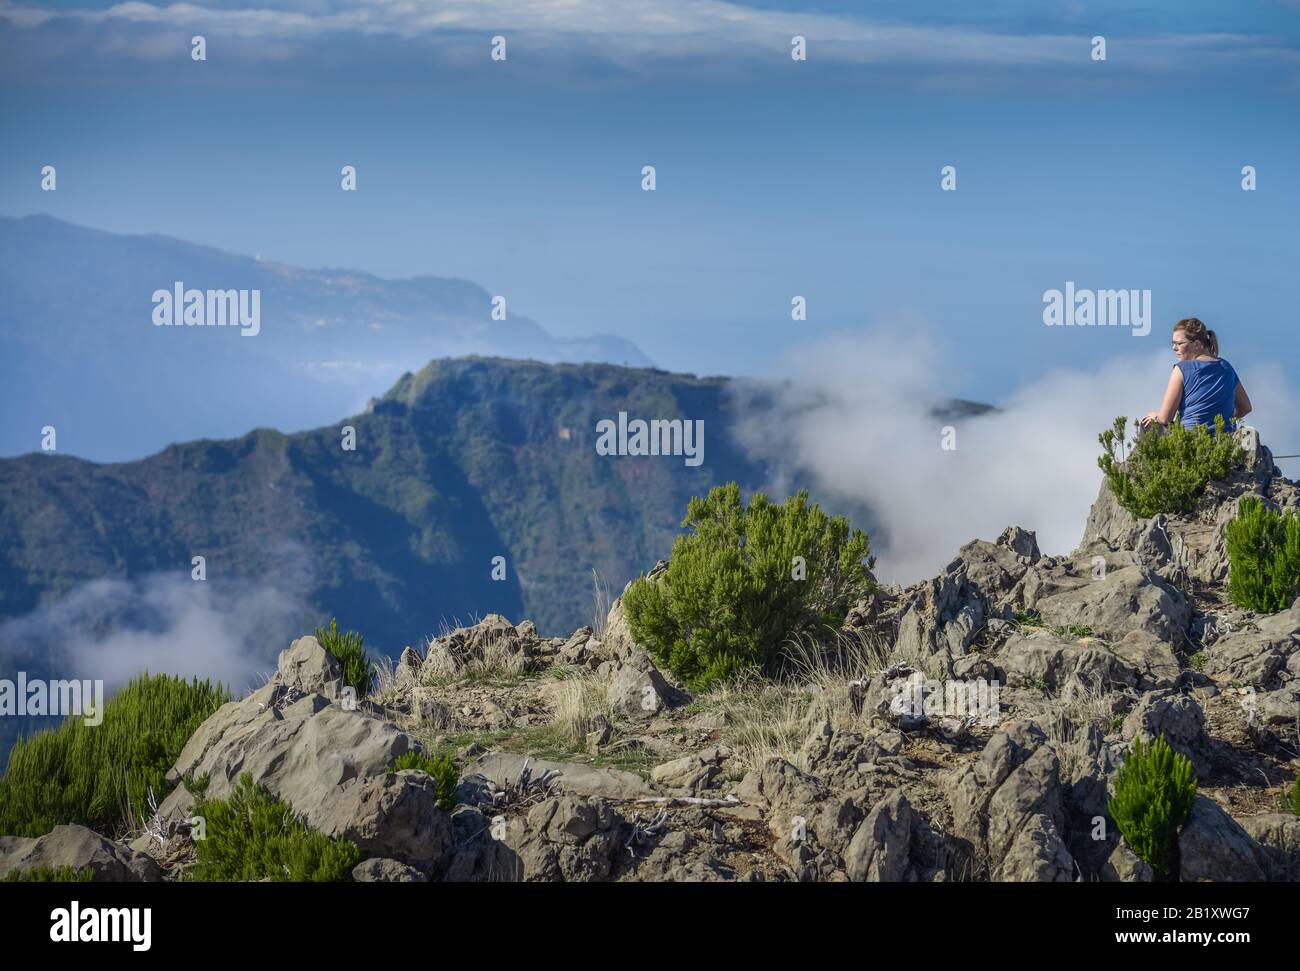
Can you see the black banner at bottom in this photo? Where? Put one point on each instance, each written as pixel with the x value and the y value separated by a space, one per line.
pixel 143 921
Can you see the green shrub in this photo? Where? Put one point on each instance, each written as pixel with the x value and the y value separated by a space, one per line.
pixel 733 596
pixel 1166 471
pixel 1264 552
pixel 1295 797
pixel 443 770
pixel 348 649
pixel 89 774
pixel 50 874
pixel 251 835
pixel 1154 792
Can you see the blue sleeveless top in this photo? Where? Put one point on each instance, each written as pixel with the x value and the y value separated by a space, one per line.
pixel 1209 389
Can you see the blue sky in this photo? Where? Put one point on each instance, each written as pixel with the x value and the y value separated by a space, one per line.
pixel 775 178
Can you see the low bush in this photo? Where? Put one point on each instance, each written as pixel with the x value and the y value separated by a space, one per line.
pixel 441 768
pixel 100 775
pixel 1154 792
pixel 349 650
pixel 253 836
pixel 745 582
pixel 1165 471
pixel 1264 553
pixel 1295 797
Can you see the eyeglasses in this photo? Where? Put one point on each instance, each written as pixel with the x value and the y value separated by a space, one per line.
pixel 1178 344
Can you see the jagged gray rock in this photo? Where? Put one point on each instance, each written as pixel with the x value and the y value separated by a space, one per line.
pixel 80 848
pixel 1214 847
pixel 1043 657
pixel 376 870
pixel 1007 805
pixel 393 815
pixel 1179 718
pixel 893 845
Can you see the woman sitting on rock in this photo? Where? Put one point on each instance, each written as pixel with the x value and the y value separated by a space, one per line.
pixel 1202 384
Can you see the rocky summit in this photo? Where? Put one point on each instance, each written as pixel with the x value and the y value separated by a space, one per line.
pixel 579 759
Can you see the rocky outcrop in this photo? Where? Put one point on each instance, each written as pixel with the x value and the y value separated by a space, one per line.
pixel 1008 806
pixel 81 849
pixel 293 739
pixel 1192 543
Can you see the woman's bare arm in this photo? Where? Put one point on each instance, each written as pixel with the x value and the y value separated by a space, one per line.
pixel 1173 398
pixel 1243 406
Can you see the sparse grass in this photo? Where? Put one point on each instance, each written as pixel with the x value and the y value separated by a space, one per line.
pixel 581 698
pixel 1074 632
pixel 1295 797
pixel 1028 620
pixel 762 719
pixel 496 663
pixel 1068 715
pixel 1197 661
pixel 385 691
pixel 48 874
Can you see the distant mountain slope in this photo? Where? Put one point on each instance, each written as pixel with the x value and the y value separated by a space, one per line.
pixel 467 460
pixel 79 350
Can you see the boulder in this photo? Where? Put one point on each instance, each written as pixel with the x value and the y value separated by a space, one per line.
pixel 1043 657
pixel 309 668
pixel 1213 847
pixel 1179 718
pixel 407 670
pixel 80 848
pixel 893 845
pixel 812 823
pixel 1257 653
pixel 1125 866
pixel 1124 600
pixel 638 691
pixel 1153 659
pixel 690 773
pixel 394 815
pixel 502 769
pixel 299 746
pixel 567 839
pixel 376 870
pixel 1279 835
pixel 1280 709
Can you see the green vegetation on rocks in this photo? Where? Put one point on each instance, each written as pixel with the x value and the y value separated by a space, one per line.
pixel 349 650
pixel 1264 552
pixel 101 775
pixel 1165 471
pixel 745 582
pixel 441 768
pixel 252 836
